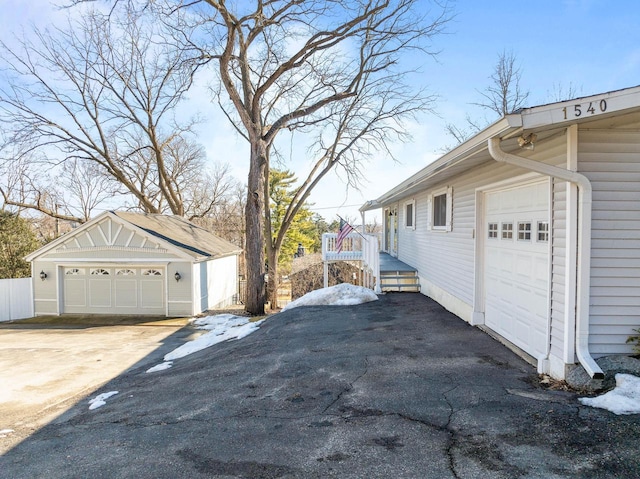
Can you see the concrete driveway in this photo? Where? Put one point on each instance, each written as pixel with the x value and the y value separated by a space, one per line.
pixel 48 364
pixel 397 388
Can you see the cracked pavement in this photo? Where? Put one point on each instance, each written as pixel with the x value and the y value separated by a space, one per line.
pixel 395 388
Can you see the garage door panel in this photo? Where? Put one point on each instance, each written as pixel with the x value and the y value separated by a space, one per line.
pixel 517 270
pixel 76 292
pixel 126 293
pixel 152 293
pixel 100 293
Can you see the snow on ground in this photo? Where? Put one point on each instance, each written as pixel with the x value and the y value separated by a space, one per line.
pixel 6 432
pixel 221 327
pixel 101 399
pixel 343 294
pixel 160 367
pixel 624 399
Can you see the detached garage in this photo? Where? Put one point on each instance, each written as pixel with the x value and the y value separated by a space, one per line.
pixel 139 264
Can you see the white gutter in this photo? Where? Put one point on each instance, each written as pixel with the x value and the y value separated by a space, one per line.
pixel 584 244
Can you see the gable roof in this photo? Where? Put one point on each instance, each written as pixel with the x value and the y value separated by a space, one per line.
pixel 181 233
pixel 176 233
pixel 542 120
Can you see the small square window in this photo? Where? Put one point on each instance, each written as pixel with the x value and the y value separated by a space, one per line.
pixel 507 230
pixel 524 231
pixel 543 231
pixel 493 230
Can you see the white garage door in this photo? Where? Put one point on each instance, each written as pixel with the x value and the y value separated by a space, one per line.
pixel 517 265
pixel 114 290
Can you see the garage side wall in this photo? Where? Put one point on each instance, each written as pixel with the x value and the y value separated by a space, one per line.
pixel 180 299
pixel 219 282
pixel 45 293
pixel 611 160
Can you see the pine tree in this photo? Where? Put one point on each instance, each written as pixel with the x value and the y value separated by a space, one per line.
pixel 17 240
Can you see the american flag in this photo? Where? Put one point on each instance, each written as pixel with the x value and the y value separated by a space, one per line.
pixel 345 229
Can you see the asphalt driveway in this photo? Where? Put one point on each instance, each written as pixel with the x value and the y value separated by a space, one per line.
pixel 397 388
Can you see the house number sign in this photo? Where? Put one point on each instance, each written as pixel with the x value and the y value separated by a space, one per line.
pixel 584 109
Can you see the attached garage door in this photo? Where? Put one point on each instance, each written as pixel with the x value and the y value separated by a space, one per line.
pixel 517 265
pixel 114 290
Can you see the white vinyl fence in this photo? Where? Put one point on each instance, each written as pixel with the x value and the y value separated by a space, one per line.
pixel 16 299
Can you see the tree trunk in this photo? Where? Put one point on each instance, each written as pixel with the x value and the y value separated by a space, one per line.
pixel 254 211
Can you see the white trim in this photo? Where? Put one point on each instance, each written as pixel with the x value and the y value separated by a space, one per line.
pixel 107 260
pixel 411 202
pixel 447 191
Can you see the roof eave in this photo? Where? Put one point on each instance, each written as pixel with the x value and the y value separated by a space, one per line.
pixel 502 127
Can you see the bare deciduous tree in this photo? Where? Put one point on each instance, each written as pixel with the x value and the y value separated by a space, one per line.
pixel 330 69
pixel 503 96
pixel 98 98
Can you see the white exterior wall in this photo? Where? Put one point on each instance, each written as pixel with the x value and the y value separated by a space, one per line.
pixel 611 160
pixel 45 293
pixel 446 260
pixel 179 293
pixel 220 283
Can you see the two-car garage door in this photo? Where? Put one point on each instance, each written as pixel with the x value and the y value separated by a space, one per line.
pixel 516 279
pixel 114 290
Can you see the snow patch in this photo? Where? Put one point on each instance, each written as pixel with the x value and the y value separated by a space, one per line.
pixel 100 399
pixel 343 294
pixel 6 432
pixel 623 399
pixel 221 327
pixel 160 367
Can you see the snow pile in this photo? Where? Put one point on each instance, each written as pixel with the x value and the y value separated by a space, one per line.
pixel 100 399
pixel 343 294
pixel 6 432
pixel 624 399
pixel 221 327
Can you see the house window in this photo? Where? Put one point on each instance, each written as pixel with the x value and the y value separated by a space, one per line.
pixel 152 272
pixel 410 214
pixel 75 271
pixel 543 231
pixel 524 231
pixel 493 230
pixel 125 272
pixel 507 230
pixel 441 209
pixel 99 272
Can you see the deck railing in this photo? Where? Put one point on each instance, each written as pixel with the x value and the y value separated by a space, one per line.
pixel 355 247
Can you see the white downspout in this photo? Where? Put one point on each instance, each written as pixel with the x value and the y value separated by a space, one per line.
pixel 584 245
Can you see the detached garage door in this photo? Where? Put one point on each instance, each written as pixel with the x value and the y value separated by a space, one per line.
pixel 517 265
pixel 109 290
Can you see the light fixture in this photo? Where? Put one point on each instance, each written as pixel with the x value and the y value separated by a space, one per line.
pixel 177 276
pixel 527 142
pixel 43 275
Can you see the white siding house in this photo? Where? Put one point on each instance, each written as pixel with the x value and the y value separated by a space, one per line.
pixel 129 263
pixel 531 229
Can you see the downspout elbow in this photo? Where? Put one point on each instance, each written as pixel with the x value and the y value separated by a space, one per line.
pixel 584 244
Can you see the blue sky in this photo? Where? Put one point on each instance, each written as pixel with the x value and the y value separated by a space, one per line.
pixel 591 45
